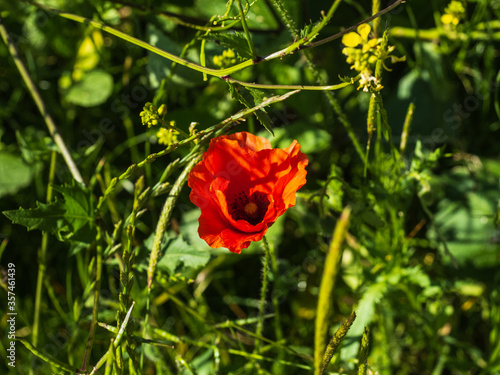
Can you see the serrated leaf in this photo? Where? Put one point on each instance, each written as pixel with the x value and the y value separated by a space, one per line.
pixel 250 97
pixel 235 41
pixel 70 219
pixel 417 276
pixel 45 217
pixel 365 313
pixel 77 204
pixel 180 252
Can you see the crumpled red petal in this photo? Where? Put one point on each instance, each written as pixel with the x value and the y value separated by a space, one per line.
pixel 241 165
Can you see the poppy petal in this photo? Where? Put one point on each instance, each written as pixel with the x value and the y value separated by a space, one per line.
pixel 242 185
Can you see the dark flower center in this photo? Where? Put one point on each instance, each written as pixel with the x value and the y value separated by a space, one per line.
pixel 250 208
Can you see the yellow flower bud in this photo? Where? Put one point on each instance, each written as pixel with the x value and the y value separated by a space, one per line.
pixel 162 111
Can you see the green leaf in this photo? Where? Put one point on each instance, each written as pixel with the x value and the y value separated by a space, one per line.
pixel 79 211
pixel 250 98
pixel 417 276
pixel 70 219
pixel 306 30
pixel 261 16
pixel 202 363
pixel 365 313
pixel 235 41
pixel 180 252
pixel 45 217
pixel 465 217
pixel 48 358
pixel 14 173
pixel 93 89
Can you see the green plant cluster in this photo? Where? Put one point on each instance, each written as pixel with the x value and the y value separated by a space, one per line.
pixel 388 262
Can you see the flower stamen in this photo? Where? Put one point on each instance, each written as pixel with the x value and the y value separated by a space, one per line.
pixel 249 208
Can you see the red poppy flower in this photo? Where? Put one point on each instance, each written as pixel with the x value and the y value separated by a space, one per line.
pixel 242 185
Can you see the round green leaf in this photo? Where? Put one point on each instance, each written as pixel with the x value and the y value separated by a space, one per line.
pixel 94 89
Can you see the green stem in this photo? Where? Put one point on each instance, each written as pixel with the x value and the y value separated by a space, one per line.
pixel 436 34
pixel 286 16
pixel 55 301
pixel 42 257
pixel 289 87
pixel 372 107
pixel 199 27
pixel 40 104
pixel 277 319
pixel 97 290
pixel 203 61
pixel 379 66
pixel 370 127
pixel 384 122
pixel 347 125
pixel 263 294
pixel 245 29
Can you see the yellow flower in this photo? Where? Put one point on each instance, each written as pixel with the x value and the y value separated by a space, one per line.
pixel 363 53
pixel 453 14
pixel 166 136
pixel 228 58
pixel 354 39
pixel 152 116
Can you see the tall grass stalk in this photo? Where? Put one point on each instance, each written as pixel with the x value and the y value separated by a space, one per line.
pixel 335 341
pixel 406 128
pixel 327 286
